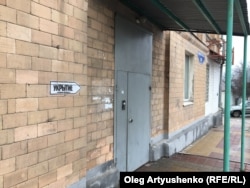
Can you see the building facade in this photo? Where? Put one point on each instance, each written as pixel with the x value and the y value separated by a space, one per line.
pixel 90 88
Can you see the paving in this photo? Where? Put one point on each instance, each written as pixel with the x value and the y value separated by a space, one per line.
pixel 207 153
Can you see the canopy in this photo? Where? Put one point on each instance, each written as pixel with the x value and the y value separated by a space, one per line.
pixel 202 16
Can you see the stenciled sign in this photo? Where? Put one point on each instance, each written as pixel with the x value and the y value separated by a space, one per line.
pixel 63 88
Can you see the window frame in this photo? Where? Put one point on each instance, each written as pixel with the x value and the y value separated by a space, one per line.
pixel 188 91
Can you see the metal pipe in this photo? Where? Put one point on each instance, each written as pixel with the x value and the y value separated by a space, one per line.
pixel 230 8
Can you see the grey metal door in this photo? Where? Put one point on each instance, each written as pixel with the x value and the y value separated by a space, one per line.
pixel 133 120
pixel 133 53
pixel 138 120
pixel 121 123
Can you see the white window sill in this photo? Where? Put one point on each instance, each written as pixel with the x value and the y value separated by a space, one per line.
pixel 188 103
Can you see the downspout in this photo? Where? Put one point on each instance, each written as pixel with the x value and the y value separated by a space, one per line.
pixel 230 11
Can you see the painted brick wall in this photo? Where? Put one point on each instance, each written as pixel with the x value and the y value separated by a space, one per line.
pixel 43 138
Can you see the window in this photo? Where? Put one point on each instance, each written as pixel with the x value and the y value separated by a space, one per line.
pixel 188 79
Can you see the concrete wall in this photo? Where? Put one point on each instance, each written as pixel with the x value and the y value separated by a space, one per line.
pixel 167 145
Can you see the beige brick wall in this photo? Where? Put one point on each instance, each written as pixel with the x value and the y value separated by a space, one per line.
pixel 100 84
pixel 168 112
pixel 52 141
pixel 43 137
pixel 180 115
pixel 159 101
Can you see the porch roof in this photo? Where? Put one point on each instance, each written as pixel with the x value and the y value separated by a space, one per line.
pixel 201 16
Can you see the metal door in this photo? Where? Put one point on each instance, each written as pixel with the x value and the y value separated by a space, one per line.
pixel 133 53
pixel 133 120
pixel 138 120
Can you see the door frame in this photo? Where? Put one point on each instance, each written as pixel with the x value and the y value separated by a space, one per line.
pixel 115 95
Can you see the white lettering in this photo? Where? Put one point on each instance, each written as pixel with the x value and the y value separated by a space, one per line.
pixel 176 179
pixel 132 179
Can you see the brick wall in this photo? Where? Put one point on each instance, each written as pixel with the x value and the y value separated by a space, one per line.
pixel 52 141
pixel 43 138
pixel 168 112
pixel 159 99
pixel 101 79
pixel 100 122
pixel 180 115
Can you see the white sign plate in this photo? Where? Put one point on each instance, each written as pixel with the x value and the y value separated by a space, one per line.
pixel 63 88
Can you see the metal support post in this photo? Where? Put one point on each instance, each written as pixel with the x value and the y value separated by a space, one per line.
pixel 226 166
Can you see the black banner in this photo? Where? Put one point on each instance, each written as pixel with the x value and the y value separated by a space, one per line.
pixel 194 179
